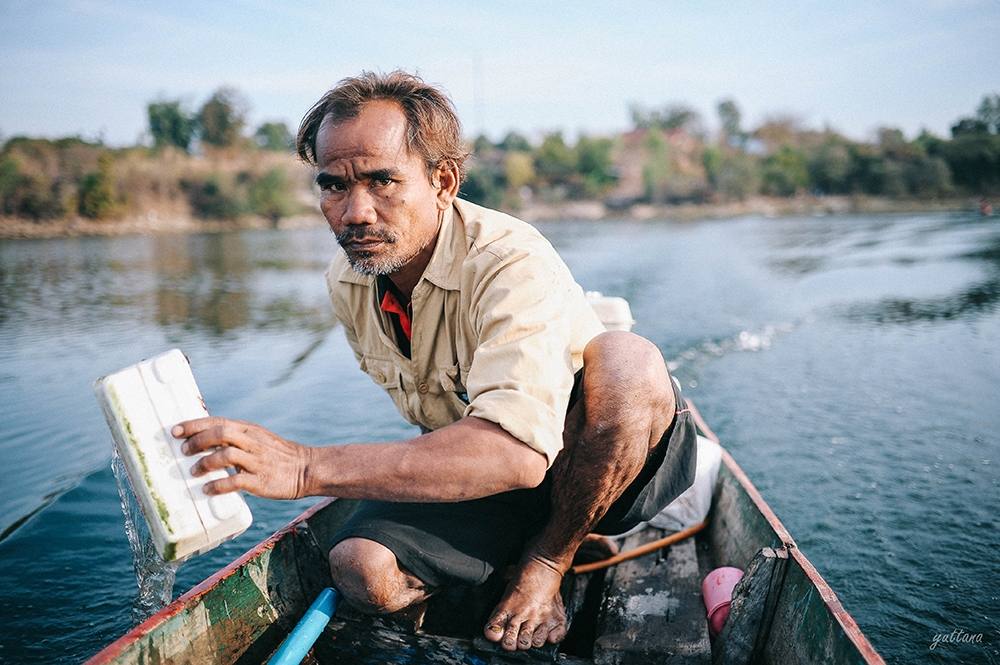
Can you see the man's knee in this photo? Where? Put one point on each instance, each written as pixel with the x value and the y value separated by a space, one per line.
pixel 368 576
pixel 627 373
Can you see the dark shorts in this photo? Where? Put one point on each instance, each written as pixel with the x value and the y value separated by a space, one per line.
pixel 463 543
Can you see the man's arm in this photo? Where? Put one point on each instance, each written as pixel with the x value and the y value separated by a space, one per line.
pixel 468 459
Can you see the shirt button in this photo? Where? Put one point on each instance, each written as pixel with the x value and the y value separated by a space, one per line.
pixel 422 389
pixel 380 377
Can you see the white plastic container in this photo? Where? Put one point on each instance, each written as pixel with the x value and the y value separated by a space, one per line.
pixel 141 404
pixel 613 311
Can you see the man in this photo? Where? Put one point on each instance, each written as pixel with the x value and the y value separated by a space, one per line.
pixel 539 427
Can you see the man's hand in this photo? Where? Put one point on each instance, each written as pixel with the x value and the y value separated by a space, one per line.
pixel 266 464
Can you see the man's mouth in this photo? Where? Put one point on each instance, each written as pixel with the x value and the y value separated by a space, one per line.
pixel 355 242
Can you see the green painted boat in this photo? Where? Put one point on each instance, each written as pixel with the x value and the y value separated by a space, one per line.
pixel 647 610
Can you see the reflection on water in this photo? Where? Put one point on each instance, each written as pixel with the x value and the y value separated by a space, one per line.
pixel 77 308
pixel 834 356
pixel 974 299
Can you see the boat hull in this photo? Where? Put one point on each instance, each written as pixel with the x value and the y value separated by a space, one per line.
pixel 782 612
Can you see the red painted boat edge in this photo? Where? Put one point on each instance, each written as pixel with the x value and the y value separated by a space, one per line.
pixel 116 648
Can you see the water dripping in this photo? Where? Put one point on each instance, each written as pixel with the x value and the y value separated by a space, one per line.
pixel 154 576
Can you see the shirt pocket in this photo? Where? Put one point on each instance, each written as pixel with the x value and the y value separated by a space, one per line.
pixel 452 378
pixel 382 371
pixel 388 376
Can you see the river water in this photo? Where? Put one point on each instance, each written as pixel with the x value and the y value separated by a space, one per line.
pixel 851 365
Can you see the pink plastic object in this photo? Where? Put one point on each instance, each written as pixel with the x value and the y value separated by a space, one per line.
pixel 717 592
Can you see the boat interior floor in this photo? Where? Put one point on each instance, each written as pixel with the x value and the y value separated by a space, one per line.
pixel 645 610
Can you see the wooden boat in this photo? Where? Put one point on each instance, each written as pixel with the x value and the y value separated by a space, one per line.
pixel 648 610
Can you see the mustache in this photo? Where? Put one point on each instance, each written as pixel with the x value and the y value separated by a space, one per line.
pixel 357 234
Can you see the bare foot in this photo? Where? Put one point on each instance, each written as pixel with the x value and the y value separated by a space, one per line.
pixel 531 611
pixel 595 547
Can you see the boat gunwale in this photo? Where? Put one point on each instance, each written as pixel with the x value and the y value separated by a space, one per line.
pixel 826 592
pixel 119 646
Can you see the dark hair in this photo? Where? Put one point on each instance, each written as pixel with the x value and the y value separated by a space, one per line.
pixel 433 130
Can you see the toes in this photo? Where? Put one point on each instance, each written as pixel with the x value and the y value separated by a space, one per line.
pixel 541 634
pixel 557 632
pixel 494 627
pixel 526 635
pixel 509 641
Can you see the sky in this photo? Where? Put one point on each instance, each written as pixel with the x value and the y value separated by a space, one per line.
pixel 90 67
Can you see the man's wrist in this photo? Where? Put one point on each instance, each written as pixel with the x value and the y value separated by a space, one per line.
pixel 307 464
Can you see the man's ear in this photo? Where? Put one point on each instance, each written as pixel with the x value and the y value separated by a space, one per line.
pixel 445 180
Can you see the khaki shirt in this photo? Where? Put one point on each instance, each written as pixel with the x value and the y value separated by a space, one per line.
pixel 499 327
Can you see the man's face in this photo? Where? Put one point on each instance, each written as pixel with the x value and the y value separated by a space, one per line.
pixel 375 194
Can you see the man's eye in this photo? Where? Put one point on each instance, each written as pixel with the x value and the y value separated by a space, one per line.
pixel 333 187
pixel 381 182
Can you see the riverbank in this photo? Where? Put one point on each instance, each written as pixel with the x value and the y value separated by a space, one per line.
pixel 154 223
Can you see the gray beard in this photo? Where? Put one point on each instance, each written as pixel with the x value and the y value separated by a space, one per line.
pixel 373 265
pixel 363 264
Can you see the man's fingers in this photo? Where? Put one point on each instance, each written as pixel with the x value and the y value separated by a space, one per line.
pixel 222 459
pixel 239 481
pixel 223 433
pixel 191 427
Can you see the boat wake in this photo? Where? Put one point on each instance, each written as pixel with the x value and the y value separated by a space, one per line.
pixel 154 576
pixel 746 340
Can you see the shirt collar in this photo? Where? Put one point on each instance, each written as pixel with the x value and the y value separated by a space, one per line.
pixel 444 268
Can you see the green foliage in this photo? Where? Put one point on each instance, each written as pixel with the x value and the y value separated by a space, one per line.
pixel 270 196
pixel 214 197
pixel 170 124
pixel 96 198
pixel 593 163
pixel 514 142
pixel 484 184
pixel 830 167
pixel 222 117
pixel 988 113
pixel 733 175
pixel 31 196
pixel 729 118
pixel 887 179
pixel 482 145
pixel 784 172
pixel 670 117
pixel 274 136
pixel 519 169
pixel 555 161
pixel 974 160
pixel 656 168
pixel 969 127
pixel 928 177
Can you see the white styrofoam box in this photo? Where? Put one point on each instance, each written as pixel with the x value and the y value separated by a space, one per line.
pixel 141 404
pixel 613 311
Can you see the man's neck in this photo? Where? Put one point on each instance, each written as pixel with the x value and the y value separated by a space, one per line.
pixel 405 279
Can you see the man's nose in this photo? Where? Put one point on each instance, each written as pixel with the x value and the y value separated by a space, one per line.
pixel 359 207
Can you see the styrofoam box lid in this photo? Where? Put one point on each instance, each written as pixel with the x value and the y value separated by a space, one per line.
pixel 141 404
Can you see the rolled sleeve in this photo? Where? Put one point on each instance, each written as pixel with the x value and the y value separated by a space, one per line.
pixel 522 372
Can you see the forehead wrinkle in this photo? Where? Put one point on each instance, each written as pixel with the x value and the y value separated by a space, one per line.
pixel 379 132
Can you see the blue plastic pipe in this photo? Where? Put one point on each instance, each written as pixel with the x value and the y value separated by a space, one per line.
pixel 304 635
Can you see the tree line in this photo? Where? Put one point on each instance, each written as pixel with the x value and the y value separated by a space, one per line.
pixel 204 163
pixel 667 156
pixel 208 163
